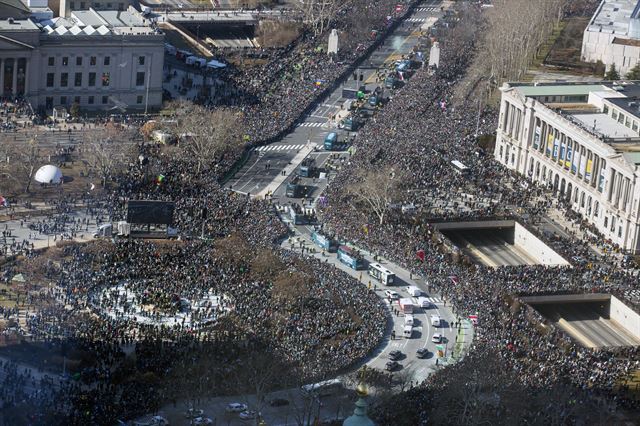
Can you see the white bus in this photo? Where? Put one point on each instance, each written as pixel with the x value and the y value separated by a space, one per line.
pixel 460 167
pixel 321 388
pixel 381 273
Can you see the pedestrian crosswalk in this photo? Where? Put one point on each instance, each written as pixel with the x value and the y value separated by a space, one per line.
pixel 280 148
pixel 428 9
pixel 310 124
pixel 416 19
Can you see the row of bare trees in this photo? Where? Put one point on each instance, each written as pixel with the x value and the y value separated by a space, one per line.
pixel 318 14
pixel 514 32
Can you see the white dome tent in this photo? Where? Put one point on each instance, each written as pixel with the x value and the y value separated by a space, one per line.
pixel 49 174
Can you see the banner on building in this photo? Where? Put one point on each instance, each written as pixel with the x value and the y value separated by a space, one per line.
pixel 549 143
pixel 536 138
pixel 589 169
pixel 601 179
pixel 556 147
pixel 583 165
pixel 567 161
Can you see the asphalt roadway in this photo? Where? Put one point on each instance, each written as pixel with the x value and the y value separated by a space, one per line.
pixel 485 246
pixel 255 176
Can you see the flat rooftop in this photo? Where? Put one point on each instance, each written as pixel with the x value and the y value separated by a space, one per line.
pixel 613 16
pixel 604 124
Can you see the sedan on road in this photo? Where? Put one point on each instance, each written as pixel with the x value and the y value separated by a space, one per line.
pixel 392 365
pixel 395 355
pixel 248 415
pixel 236 407
pixel 422 353
pixel 437 338
pixel 390 294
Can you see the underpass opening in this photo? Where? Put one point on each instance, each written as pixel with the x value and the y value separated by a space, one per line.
pixel 594 320
pixel 499 243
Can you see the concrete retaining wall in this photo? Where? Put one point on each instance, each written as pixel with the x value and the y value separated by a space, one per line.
pixel 488 224
pixel 624 316
pixel 535 248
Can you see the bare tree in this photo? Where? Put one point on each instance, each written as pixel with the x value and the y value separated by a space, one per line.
pixel 318 14
pixel 105 157
pixel 20 162
pixel 207 135
pixel 376 190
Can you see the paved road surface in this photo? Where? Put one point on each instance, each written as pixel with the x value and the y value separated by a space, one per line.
pixel 485 246
pixel 254 177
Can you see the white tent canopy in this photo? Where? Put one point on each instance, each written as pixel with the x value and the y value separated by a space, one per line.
pixel 48 174
pixel 215 64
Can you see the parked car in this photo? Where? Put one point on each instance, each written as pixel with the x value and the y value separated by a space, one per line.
pixel 236 407
pixel 202 421
pixel 390 294
pixel 392 365
pixel 437 338
pixel 192 413
pixel 422 353
pixel 395 355
pixel 248 415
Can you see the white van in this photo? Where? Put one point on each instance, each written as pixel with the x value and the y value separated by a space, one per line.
pixel 414 291
pixel 407 331
pixel 435 320
pixel 424 303
pixel 408 320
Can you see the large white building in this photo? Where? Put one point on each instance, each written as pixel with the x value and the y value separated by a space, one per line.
pixel 583 141
pixel 613 35
pixel 96 59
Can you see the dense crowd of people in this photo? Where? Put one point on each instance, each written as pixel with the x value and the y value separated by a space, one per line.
pixel 420 132
pixel 302 311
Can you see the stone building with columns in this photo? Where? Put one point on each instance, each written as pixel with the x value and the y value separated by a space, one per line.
pixel 582 141
pixel 100 60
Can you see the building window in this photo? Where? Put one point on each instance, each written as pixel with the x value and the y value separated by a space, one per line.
pixel 621 118
pixel 76 100
pixel 72 6
pixel 140 60
pixel 105 100
pixel 82 5
pixel 90 100
pixel 619 231
pixel 106 79
pixel 92 60
pixel 107 60
pixel 79 61
pixel 613 223
pixel 48 102
pixel 92 79
pixel 605 109
pixel 108 5
pixel 63 100
pixel 139 99
pixel 50 78
pixel 52 61
pixel 78 79
pixel 614 114
pixel 606 221
pixel 634 126
pixel 627 122
pixel 140 79
pixel 64 79
pixel 65 61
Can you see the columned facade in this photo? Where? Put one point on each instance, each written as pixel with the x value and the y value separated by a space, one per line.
pixel 599 182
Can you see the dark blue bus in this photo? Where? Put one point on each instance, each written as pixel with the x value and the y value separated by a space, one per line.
pixel 324 242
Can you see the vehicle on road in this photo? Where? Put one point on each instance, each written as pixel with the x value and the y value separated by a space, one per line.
pixel 391 82
pixel 325 388
pixel 201 421
pixel 154 421
pixel 307 168
pixel 395 355
pixel 248 415
pixel 407 331
pixel 414 291
pixel 408 319
pixel 392 366
pixel 294 188
pixel 278 402
pixel 406 305
pixel 324 242
pixel 424 303
pixel 381 273
pixel 460 167
pixel 435 320
pixel 437 338
pixel 350 257
pixel 390 294
pixel 331 141
pixel 422 353
pixel 236 407
pixel 192 413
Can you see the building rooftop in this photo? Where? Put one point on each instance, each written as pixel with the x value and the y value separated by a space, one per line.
pixel 561 89
pixel 605 125
pixel 614 17
pixel 99 23
pixel 17 25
